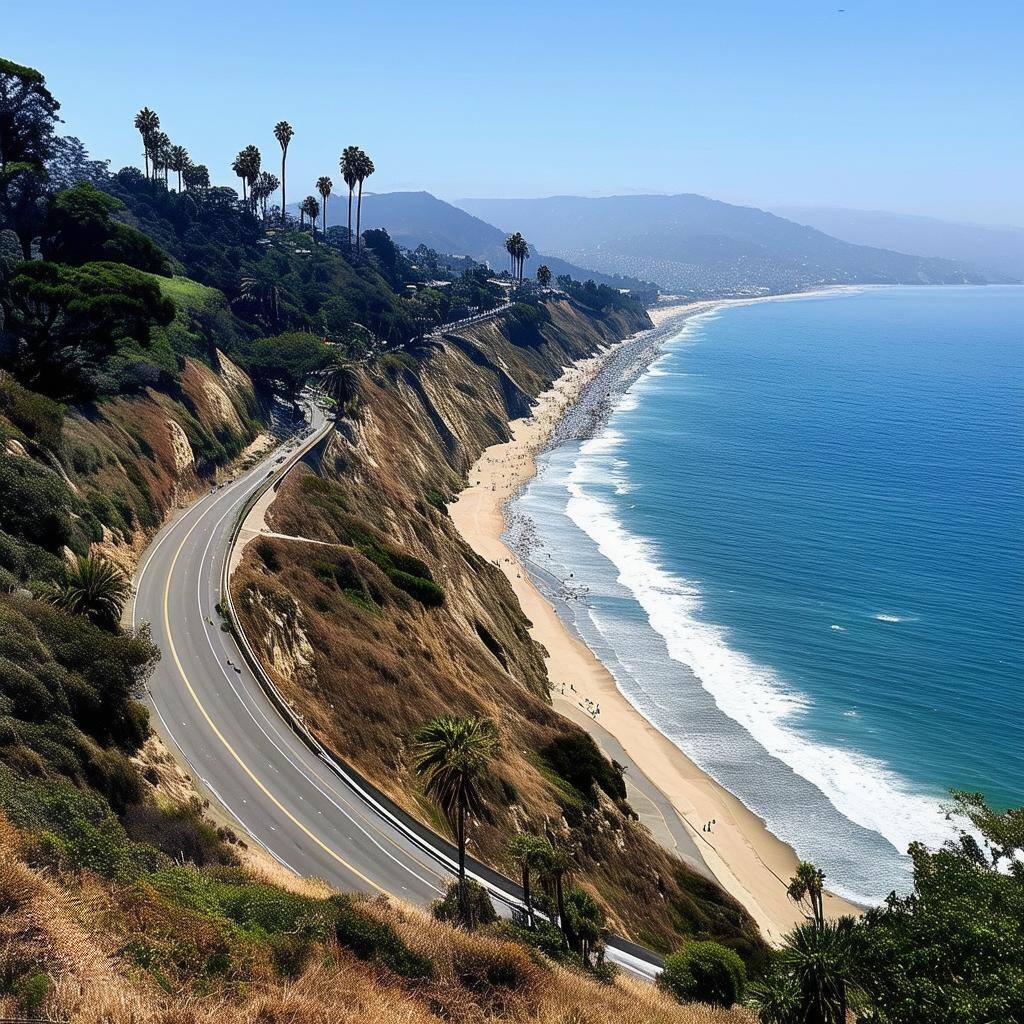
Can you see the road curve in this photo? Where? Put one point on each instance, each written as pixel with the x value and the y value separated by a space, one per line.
pixel 307 810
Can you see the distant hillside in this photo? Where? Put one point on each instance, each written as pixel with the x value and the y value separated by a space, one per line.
pixel 414 218
pixel 692 245
pixel 998 253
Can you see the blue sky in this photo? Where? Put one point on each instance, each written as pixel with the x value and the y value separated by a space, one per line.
pixel 913 107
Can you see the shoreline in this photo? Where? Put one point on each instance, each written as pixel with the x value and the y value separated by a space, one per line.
pixel 673 797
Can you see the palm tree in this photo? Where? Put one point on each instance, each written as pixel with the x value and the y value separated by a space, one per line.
pixel 324 186
pixel 160 153
pixel 808 885
pixel 341 379
pixel 252 161
pixel 349 164
pixel 283 132
pixel 518 250
pixel 178 161
pixel 364 168
pixel 529 853
pixel 820 963
pixel 543 275
pixel 148 123
pixel 95 588
pixel 239 167
pixel 311 208
pixel 452 755
pixel 555 865
pixel 523 254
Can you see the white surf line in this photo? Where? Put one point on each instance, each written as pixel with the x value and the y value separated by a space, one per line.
pixel 277 746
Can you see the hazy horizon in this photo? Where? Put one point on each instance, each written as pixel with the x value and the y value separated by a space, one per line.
pixel 805 104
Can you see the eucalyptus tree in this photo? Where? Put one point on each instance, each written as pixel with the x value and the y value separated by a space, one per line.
pixel 324 186
pixel 262 189
pixel 283 132
pixel 452 755
pixel 177 161
pixel 350 175
pixel 364 168
pixel 197 176
pixel 148 124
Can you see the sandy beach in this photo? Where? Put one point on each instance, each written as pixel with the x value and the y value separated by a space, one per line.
pixel 746 859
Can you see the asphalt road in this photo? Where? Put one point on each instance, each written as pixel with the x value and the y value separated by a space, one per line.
pixel 306 810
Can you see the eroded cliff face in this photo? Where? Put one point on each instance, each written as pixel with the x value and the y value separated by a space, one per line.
pixel 406 622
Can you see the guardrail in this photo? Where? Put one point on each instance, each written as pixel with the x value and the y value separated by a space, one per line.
pixel 439 849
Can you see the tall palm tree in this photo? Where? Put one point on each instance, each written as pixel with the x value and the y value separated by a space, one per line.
pixel 510 248
pixel 820 962
pixel 148 123
pixel 95 588
pixel 808 884
pixel 239 167
pixel 364 168
pixel 178 161
pixel 160 153
pixel 283 132
pixel 529 853
pixel 324 186
pixel 349 164
pixel 252 161
pixel 452 754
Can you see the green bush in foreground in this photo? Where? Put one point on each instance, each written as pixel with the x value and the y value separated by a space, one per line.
pixel 704 972
pixel 377 941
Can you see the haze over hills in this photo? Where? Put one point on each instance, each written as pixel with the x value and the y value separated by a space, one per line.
pixel 998 252
pixel 414 218
pixel 692 245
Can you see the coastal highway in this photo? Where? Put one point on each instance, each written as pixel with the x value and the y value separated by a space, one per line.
pixel 222 717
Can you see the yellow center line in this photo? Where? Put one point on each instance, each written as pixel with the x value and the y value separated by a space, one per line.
pixel 231 750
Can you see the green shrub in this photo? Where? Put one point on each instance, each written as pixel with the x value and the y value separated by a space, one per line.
pixel 578 759
pixel 37 417
pixel 33 991
pixel 377 941
pixel 704 972
pixel 481 909
pixel 425 591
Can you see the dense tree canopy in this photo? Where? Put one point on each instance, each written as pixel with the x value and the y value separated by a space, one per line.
pixel 62 323
pixel 80 228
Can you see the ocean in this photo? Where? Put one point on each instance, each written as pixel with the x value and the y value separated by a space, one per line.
pixel 798 544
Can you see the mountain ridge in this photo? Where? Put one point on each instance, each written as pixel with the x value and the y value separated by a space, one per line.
pixel 698 246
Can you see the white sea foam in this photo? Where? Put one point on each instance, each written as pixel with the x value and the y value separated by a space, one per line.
pixel 859 786
pixel 883 617
pixel 836 628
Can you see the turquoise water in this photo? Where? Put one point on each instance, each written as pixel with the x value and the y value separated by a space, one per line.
pixel 801 542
